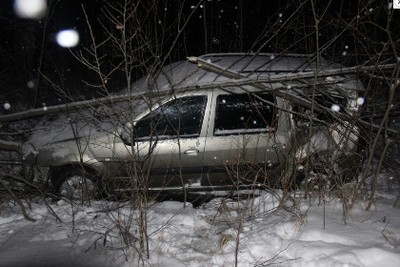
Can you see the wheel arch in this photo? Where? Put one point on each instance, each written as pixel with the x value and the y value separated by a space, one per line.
pixel 56 171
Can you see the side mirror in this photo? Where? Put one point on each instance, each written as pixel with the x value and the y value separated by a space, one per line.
pixel 127 139
pixel 127 135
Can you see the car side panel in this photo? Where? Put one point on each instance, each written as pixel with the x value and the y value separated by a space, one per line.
pixel 161 162
pixel 234 159
pixel 245 157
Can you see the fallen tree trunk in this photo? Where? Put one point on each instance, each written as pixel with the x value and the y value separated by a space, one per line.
pixel 9 146
pixel 290 76
pixel 65 107
pixel 237 79
pixel 240 79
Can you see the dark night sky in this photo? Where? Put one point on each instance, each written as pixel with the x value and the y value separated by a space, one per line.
pixel 219 26
pixel 224 21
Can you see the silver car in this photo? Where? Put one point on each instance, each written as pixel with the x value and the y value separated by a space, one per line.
pixel 210 122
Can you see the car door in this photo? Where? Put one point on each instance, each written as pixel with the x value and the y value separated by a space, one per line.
pixel 169 141
pixel 242 141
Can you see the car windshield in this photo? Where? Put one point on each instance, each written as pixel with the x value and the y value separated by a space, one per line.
pixel 181 117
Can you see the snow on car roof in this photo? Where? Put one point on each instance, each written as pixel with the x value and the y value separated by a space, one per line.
pixel 184 74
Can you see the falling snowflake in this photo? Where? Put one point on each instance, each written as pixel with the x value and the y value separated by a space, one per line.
pixel 30 9
pixel 7 106
pixel 360 101
pixel 335 108
pixel 31 84
pixel 67 38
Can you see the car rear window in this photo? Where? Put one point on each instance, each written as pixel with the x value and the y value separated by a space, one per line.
pixel 302 114
pixel 244 113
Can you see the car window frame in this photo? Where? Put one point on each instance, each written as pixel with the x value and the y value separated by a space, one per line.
pixel 175 136
pixel 274 120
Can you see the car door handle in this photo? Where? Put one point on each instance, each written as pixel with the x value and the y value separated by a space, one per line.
pixel 191 152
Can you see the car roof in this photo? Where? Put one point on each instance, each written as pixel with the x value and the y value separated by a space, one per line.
pixel 185 74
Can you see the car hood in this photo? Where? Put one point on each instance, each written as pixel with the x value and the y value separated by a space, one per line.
pixel 56 130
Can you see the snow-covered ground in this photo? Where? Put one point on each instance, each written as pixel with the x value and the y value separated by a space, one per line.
pixel 262 233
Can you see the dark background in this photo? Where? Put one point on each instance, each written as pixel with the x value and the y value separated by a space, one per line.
pixel 350 32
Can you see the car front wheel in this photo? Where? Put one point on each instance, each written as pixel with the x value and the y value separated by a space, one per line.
pixel 76 184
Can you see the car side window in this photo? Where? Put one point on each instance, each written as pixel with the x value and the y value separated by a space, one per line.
pixel 180 117
pixel 243 113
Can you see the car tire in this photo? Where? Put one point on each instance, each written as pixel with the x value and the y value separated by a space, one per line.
pixel 75 184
